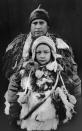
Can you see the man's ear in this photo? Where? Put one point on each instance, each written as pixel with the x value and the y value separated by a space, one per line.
pixel 48 27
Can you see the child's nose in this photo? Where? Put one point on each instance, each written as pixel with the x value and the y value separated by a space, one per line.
pixel 42 55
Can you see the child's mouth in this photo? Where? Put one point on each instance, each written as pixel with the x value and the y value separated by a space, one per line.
pixel 42 61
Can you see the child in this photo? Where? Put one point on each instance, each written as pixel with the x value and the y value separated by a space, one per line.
pixel 44 99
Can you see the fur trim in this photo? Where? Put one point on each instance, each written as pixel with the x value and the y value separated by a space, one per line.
pixel 27 46
pixel 68 106
pixel 7 105
pixel 43 39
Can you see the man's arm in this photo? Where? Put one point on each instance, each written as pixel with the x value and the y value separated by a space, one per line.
pixel 13 87
pixel 70 66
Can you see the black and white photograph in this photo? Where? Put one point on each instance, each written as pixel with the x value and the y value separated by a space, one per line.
pixel 41 67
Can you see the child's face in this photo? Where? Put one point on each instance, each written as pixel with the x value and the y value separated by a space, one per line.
pixel 43 54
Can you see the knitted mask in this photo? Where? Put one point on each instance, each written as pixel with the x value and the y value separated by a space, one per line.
pixel 43 39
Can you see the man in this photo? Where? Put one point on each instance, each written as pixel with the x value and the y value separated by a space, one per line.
pixel 19 51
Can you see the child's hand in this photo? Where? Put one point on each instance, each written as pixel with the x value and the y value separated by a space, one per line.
pixel 22 98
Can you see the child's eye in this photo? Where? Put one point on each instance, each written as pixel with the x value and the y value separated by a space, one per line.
pixel 46 52
pixel 38 52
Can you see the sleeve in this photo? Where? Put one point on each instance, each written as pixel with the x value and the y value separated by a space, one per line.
pixel 13 55
pixel 13 87
pixel 70 72
pixel 76 81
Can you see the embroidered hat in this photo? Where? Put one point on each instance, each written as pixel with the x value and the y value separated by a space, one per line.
pixel 39 13
pixel 46 40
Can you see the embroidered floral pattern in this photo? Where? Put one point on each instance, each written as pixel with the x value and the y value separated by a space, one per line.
pixel 39 73
pixel 52 66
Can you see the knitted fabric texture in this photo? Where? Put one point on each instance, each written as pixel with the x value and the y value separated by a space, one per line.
pixel 45 40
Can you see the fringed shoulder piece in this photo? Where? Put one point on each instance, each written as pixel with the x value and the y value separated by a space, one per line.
pixel 13 55
pixel 61 44
pixel 14 42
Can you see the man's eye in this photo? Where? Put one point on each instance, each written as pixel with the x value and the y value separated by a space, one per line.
pixel 41 23
pixel 35 23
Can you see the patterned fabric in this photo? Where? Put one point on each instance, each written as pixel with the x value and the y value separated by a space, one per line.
pixel 44 93
pixel 13 55
pixel 13 62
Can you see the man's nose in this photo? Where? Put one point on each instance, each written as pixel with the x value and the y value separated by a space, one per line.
pixel 38 25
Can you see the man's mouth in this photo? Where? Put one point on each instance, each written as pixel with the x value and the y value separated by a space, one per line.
pixel 38 32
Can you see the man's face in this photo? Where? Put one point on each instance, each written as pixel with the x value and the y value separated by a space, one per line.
pixel 43 54
pixel 39 27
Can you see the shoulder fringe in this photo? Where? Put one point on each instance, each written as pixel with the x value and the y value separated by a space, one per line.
pixel 11 45
pixel 61 44
pixel 7 105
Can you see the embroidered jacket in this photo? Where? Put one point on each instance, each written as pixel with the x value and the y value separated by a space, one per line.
pixel 13 59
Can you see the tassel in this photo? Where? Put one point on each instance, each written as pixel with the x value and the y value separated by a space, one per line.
pixel 7 104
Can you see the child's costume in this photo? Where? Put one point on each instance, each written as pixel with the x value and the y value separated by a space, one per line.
pixel 45 101
pixel 43 95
